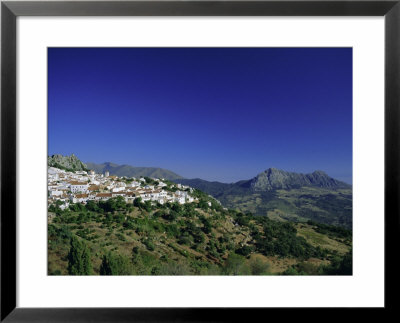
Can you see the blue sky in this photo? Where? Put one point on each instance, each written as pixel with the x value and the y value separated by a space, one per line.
pixel 222 114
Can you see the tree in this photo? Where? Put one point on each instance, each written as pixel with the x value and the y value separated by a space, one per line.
pixel 113 264
pixel 346 265
pixel 147 206
pixel 341 265
pixel 158 214
pixel 137 202
pixel 171 216
pixel 203 205
pixel 148 180
pixel 245 250
pixel 79 258
pixel 291 271
pixel 206 225
pixel 242 220
pixel 235 265
pixel 177 208
pixel 92 206
pixel 259 267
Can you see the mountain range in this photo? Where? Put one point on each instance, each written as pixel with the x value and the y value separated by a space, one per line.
pixel 275 193
pixel 285 196
pixel 131 171
pixel 269 180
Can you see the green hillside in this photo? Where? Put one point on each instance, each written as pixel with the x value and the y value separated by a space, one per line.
pixel 299 205
pixel 115 238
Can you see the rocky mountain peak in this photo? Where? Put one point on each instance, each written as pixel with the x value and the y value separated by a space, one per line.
pixel 273 178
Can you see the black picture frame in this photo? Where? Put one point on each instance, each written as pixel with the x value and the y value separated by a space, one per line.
pixel 10 10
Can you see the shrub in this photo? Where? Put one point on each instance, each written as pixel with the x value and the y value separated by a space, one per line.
pixel 149 244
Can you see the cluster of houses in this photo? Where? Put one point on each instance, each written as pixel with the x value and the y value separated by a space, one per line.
pixel 81 187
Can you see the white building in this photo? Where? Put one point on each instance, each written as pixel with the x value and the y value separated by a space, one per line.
pixel 179 199
pixel 118 189
pixel 130 197
pixel 79 187
pixel 79 198
pixel 103 196
pixel 56 193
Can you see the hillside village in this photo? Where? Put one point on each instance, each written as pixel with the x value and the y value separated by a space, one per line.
pixel 65 187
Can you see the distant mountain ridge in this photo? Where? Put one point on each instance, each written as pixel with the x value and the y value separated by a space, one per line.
pixel 131 171
pixel 285 195
pixel 269 180
pixel 273 178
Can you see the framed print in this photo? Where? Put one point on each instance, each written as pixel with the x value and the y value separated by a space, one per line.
pixel 179 155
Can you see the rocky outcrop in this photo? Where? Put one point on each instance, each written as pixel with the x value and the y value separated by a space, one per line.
pixel 70 163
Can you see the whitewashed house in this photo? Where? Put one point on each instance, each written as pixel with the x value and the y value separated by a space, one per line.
pixel 130 197
pixel 115 194
pixel 64 206
pixel 56 193
pixel 134 184
pixel 103 196
pixel 79 198
pixel 118 189
pixel 79 187
pixel 179 199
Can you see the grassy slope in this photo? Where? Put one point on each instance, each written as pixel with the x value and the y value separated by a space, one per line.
pixel 330 206
pixel 339 245
pixel 322 205
pixel 102 238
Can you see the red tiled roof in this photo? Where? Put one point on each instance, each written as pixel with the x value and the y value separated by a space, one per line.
pixel 77 183
pixel 79 196
pixel 104 195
